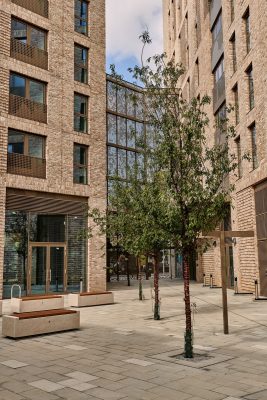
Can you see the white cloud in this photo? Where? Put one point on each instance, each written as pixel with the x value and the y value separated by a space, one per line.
pixel 126 20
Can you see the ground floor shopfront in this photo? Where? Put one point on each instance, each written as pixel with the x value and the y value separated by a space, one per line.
pixel 46 249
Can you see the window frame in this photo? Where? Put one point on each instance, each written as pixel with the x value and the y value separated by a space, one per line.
pixel 27 87
pixel 239 157
pixel 251 89
pixel 82 66
pixel 80 166
pixel 26 139
pixel 78 17
pixel 246 18
pixel 29 28
pixel 253 135
pixel 76 114
pixel 236 100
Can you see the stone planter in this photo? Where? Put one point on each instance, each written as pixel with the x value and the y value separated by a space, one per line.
pixel 89 299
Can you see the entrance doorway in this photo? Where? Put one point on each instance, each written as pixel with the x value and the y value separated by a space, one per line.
pixel 47 268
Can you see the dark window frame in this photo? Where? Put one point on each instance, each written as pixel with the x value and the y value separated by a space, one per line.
pixel 254 147
pixel 80 115
pixel 246 18
pixel 27 87
pixel 80 166
pixel 26 139
pixel 251 90
pixel 78 17
pixel 81 65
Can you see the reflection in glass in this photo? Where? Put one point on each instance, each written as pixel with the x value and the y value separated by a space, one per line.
pixel 131 102
pixel 38 38
pixel 131 164
pixel 76 253
pixel 56 269
pixel 121 131
pixel 38 270
pixel 130 133
pixel 36 146
pixel 121 100
pixel 47 228
pixel 112 128
pixel 80 175
pixel 111 96
pixel 122 163
pixel 80 64
pixel 139 106
pixel 140 135
pixel 80 113
pixel 37 92
pixel 16 143
pixel 17 85
pixel 112 161
pixel 19 30
pixel 140 159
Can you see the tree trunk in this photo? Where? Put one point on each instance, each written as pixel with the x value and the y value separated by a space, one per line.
pixel 188 346
pixel 156 287
pixel 140 281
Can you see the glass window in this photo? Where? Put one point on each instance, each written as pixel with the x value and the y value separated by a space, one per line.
pixel 28 34
pixel 37 91
pixel 19 30
pixel 81 16
pixel 112 161
pixel 121 100
pixel 140 159
pixel 112 128
pixel 139 105
pixel 16 142
pixel 80 113
pixel 130 133
pixel 247 30
pixel 112 96
pixel 239 158
pixel 37 38
pixel 131 102
pixel 253 132
pixel 122 131
pixel 131 162
pixel 122 163
pixel 140 135
pixel 80 154
pixel 80 64
pixel 219 71
pixel 251 88
pixel 36 146
pixel 47 228
pixel 217 28
pixel 26 143
pixel 235 91
pixel 18 85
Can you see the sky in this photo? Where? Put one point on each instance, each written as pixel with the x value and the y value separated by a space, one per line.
pixel 126 20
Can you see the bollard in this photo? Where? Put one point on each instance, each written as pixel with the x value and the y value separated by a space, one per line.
pixel 211 281
pixel 81 285
pixel 256 290
pixel 204 280
pixel 236 287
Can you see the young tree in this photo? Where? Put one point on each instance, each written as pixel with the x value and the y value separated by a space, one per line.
pixel 193 172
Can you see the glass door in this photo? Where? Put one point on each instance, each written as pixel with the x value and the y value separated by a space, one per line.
pixel 47 268
pixel 57 269
pixel 37 274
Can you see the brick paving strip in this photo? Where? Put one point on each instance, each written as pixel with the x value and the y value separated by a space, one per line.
pixel 120 352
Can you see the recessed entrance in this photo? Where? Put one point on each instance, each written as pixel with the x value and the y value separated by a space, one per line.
pixel 47 272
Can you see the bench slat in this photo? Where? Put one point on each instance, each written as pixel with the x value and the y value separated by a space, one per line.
pixel 93 293
pixel 52 296
pixel 40 314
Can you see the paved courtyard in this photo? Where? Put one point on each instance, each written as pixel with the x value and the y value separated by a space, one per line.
pixel 122 353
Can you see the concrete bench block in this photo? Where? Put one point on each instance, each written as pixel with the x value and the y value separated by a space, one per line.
pixel 15 327
pixel 90 299
pixel 24 304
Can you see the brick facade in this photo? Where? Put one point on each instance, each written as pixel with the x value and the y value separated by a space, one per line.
pixel 59 132
pixel 188 38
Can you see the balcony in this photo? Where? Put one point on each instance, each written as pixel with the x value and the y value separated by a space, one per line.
pixel 29 54
pixel 20 164
pixel 25 108
pixel 219 93
pixel 40 7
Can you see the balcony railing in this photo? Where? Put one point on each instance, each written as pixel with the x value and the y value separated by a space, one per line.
pixel 28 54
pixel 219 93
pixel 20 164
pixel 40 7
pixel 25 108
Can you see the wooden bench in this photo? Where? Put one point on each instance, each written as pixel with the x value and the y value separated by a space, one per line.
pixel 89 299
pixel 36 303
pixel 20 325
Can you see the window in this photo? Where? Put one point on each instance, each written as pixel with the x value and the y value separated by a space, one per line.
pixel 233 49
pixel 253 133
pixel 30 89
pixel 239 158
pixel 81 16
pixel 80 64
pixel 219 71
pixel 80 156
pixel 80 113
pixel 28 34
pixel 247 30
pixel 236 101
pixel 251 87
pixel 26 143
pixel 232 9
pixel 217 28
pixel 197 72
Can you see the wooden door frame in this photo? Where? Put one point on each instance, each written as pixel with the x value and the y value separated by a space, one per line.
pixel 48 246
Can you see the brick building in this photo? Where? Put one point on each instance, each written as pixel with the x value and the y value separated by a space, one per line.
pixel 53 143
pixel 222 45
